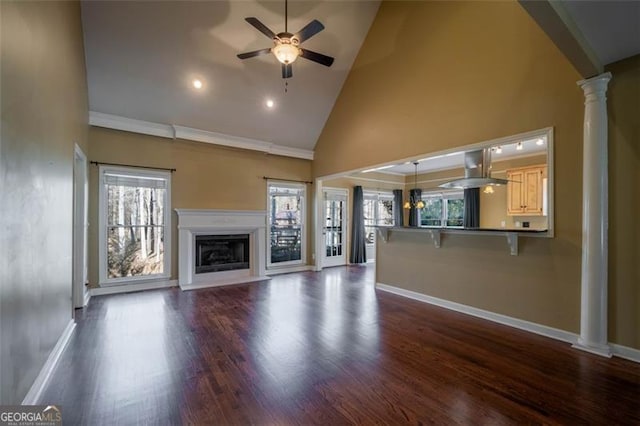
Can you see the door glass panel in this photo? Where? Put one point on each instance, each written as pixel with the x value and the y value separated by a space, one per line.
pixel 333 228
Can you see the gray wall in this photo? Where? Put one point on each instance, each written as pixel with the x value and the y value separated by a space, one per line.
pixel 44 111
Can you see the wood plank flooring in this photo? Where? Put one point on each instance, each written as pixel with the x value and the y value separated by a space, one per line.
pixel 323 348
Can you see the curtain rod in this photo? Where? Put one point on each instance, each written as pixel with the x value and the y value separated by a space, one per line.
pixel 131 165
pixel 287 180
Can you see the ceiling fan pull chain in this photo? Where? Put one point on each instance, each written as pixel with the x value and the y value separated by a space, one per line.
pixel 286 83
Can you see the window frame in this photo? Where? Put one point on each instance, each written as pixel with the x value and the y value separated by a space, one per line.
pixel 444 196
pixel 303 224
pixel 103 279
pixel 377 196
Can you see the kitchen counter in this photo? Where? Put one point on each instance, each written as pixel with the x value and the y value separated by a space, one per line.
pixel 512 234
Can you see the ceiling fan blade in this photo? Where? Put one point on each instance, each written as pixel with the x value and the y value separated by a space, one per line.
pixel 260 27
pixel 287 71
pixel 317 57
pixel 312 28
pixel 254 53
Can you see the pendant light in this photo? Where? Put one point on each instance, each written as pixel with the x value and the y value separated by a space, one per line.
pixel 414 201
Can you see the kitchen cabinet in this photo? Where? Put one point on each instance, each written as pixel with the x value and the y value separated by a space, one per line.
pixel 525 191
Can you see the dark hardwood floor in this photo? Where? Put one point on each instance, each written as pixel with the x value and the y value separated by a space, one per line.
pixel 323 348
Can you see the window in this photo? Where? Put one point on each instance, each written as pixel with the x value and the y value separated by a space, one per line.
pixel 443 210
pixel 286 224
pixel 134 220
pixel 378 211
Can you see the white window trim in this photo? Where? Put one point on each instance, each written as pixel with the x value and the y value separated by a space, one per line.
pixel 103 281
pixel 444 196
pixel 303 224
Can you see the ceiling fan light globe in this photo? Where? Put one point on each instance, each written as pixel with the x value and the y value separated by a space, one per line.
pixel 286 53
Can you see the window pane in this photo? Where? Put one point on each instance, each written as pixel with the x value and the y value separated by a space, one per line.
pixel 455 212
pixel 134 251
pixel 285 216
pixel 127 205
pixel 385 212
pixel 431 214
pixel 369 211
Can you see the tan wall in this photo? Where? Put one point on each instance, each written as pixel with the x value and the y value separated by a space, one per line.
pixel 483 70
pixel 44 111
pixel 207 177
pixel 624 202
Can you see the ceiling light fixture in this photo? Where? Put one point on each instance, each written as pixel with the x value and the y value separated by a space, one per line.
pixel 540 142
pixel 519 146
pixel 197 84
pixel 499 150
pixel 269 103
pixel 414 201
pixel 286 52
pixel 488 190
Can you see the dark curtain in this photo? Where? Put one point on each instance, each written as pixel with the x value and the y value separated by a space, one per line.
pixel 472 208
pixel 398 211
pixel 358 236
pixel 414 214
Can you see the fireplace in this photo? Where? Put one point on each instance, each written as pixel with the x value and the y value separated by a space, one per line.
pixel 215 253
pixel 220 247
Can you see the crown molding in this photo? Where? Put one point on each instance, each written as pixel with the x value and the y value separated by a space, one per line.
pixel 173 131
pixel 116 122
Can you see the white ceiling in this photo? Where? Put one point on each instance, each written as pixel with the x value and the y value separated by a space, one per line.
pixel 143 56
pixel 611 28
pixel 455 160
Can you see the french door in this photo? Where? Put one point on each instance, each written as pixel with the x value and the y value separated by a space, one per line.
pixel 335 227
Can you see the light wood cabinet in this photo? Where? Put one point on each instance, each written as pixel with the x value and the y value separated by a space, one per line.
pixel 525 191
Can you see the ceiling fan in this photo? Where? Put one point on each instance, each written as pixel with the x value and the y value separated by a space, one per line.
pixel 286 46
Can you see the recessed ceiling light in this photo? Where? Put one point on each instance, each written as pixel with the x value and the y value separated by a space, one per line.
pixel 499 150
pixel 269 103
pixel 539 142
pixel 197 84
pixel 519 146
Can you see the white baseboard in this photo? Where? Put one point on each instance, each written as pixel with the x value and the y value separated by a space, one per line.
pixel 33 396
pixel 602 350
pixel 232 281
pixel 532 327
pixel 128 288
pixel 289 269
pixel 625 352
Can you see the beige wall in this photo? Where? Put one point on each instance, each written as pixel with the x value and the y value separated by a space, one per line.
pixel 484 70
pixel 207 177
pixel 624 202
pixel 44 112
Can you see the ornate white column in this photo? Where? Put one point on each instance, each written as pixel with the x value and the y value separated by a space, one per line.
pixel 595 221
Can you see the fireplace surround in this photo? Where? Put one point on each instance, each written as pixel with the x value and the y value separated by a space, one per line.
pixel 221 231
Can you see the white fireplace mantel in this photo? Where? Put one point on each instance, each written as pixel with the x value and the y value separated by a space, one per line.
pixel 193 222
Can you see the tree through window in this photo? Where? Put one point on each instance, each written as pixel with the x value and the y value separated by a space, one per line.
pixel 135 216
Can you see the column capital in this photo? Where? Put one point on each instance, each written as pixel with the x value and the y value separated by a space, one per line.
pixel 595 85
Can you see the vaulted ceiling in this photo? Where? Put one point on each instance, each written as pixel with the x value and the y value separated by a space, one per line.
pixel 142 59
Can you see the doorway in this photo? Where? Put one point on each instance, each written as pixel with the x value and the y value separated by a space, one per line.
pixel 80 225
pixel 334 230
